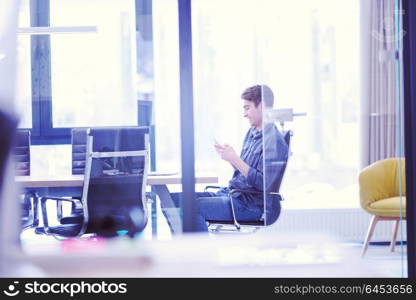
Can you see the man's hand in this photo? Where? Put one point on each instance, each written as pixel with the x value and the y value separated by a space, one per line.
pixel 226 152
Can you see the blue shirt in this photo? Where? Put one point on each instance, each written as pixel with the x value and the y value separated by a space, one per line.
pixel 252 154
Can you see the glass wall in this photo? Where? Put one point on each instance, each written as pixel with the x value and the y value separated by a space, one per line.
pixel 381 178
pixel 330 106
pixel 399 230
pixel 309 53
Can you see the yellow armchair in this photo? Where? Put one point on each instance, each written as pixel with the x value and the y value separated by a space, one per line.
pixel 383 194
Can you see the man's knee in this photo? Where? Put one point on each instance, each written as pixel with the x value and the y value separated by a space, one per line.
pixel 178 201
pixel 176 198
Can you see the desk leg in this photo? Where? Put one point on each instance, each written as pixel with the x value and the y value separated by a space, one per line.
pixel 154 214
pixel 167 205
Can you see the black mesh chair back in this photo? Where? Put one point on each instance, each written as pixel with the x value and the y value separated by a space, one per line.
pixel 21 152
pixel 113 194
pixel 29 199
pixel 8 126
pixel 115 179
pixel 17 143
pixel 79 150
pixel 273 188
pixel 273 195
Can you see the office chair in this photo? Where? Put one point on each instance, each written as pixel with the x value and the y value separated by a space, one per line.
pixel 270 214
pixel 78 159
pixel 29 199
pixel 383 195
pixel 79 149
pixel 8 126
pixel 113 195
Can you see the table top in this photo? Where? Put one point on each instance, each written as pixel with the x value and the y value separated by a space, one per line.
pixel 78 180
pixel 51 167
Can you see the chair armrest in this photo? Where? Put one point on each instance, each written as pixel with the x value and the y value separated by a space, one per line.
pixel 255 193
pixel 76 202
pixel 212 187
pixel 245 192
pixel 35 197
pixel 59 210
pixel 59 214
pixel 277 194
pixel 236 224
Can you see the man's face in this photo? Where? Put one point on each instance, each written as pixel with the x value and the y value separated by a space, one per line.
pixel 253 113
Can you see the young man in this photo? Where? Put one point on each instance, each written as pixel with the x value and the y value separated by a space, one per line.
pixel 248 174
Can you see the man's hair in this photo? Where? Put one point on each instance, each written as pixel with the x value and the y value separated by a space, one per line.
pixel 254 94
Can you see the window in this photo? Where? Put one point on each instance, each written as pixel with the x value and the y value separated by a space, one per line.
pixel 92 74
pixel 24 84
pixel 82 77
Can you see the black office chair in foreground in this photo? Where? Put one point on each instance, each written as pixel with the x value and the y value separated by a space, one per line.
pixel 78 160
pixel 8 129
pixel 29 199
pixel 271 209
pixel 113 196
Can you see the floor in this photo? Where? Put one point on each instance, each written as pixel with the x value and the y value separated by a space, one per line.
pixel 387 264
pixel 28 236
pixel 378 257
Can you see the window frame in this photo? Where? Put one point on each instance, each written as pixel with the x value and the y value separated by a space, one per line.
pixel 42 131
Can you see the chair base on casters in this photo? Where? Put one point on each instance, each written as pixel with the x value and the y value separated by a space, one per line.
pixel 230 227
pixel 66 230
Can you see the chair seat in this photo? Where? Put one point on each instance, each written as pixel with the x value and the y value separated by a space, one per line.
pixel 40 230
pixel 72 219
pixel 389 207
pixel 67 230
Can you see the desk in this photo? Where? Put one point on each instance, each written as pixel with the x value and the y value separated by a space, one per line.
pixel 158 183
